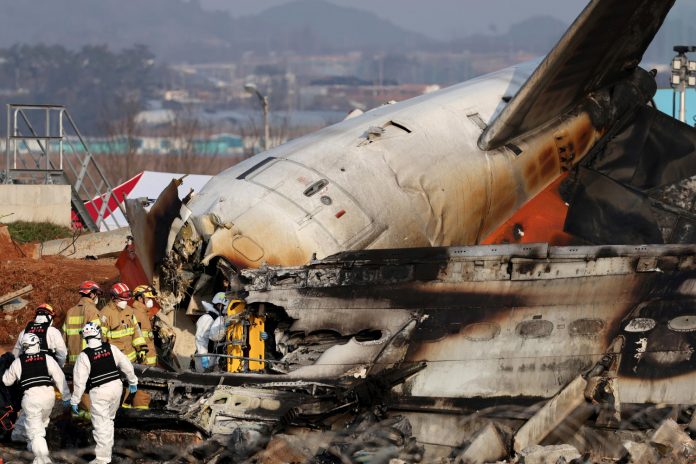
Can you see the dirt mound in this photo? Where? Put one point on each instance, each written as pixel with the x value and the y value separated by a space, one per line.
pixel 11 249
pixel 55 281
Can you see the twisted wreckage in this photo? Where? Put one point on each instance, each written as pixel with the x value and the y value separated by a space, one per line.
pixel 359 250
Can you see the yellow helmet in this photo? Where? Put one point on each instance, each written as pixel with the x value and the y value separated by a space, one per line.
pixel 144 290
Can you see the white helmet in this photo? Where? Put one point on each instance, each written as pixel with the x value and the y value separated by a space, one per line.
pixel 30 340
pixel 220 298
pixel 91 330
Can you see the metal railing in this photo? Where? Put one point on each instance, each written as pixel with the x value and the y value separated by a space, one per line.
pixel 58 154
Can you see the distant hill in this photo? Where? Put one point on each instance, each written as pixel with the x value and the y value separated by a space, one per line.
pixel 342 28
pixel 536 35
pixel 177 30
pixel 184 31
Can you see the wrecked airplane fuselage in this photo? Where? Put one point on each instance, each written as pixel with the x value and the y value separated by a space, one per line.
pixel 432 334
pixel 443 169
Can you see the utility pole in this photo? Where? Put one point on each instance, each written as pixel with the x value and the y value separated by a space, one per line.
pixel 251 88
pixel 683 76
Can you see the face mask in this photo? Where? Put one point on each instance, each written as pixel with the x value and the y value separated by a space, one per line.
pixel 94 342
pixel 96 300
pixel 41 319
pixel 149 303
pixel 122 304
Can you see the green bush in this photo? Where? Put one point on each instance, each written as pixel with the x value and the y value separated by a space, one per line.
pixel 26 232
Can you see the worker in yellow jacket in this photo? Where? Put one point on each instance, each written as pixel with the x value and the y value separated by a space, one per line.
pixel 83 312
pixel 144 299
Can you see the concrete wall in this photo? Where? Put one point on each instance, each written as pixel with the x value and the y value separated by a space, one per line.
pixel 35 203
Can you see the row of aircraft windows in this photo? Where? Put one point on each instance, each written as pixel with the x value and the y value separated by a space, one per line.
pixel 541 328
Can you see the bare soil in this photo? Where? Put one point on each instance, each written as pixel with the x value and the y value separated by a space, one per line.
pixel 55 281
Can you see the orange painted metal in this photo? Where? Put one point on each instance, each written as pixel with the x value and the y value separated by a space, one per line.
pixel 540 221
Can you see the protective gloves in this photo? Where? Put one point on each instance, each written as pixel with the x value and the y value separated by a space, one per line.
pixel 74 409
pixel 66 403
pixel 205 362
pixel 132 388
pixel 263 335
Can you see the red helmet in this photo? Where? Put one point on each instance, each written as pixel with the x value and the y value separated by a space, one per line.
pixel 88 287
pixel 120 291
pixel 46 309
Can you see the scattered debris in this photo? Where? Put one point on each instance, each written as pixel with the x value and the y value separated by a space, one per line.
pixel 285 449
pixel 550 416
pixel 14 305
pixel 673 443
pixel 641 453
pixel 549 454
pixel 9 297
pixel 487 446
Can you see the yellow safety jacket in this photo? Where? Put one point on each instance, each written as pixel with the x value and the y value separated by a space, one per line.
pixel 143 318
pixel 83 312
pixel 122 329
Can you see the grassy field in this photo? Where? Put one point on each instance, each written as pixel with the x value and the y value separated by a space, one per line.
pixel 26 232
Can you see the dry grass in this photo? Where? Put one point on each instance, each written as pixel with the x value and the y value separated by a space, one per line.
pixel 27 232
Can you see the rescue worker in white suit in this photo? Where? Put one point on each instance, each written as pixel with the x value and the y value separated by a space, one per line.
pixel 204 342
pixel 50 337
pixel 36 373
pixel 97 371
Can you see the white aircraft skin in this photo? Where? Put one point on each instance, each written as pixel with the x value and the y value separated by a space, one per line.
pixel 422 181
pixel 443 169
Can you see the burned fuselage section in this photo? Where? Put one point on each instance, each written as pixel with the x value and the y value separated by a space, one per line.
pixel 432 334
pixel 501 321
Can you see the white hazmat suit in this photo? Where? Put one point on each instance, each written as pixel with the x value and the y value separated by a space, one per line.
pixel 105 398
pixel 210 329
pixel 37 404
pixel 54 339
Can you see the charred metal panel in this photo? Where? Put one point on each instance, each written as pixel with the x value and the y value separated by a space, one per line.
pixel 634 189
pixel 525 332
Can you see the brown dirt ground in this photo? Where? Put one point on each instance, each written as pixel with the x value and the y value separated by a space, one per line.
pixel 55 281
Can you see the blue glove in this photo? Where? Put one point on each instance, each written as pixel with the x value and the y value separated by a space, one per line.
pixel 205 362
pixel 132 388
pixel 74 409
pixel 66 403
pixel 263 335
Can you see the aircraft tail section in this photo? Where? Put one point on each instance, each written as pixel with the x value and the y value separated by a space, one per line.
pixel 604 45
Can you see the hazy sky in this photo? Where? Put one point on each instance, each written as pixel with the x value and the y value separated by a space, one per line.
pixel 441 19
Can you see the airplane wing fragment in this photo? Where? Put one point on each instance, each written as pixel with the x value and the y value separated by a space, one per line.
pixel 604 44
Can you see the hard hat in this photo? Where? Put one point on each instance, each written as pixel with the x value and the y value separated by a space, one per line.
pixel 46 309
pixel 144 290
pixel 29 340
pixel 220 298
pixel 91 330
pixel 88 287
pixel 120 291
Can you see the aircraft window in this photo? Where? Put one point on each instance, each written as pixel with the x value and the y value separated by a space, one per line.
pixel 640 324
pixel 586 327
pixel 315 187
pixel 537 328
pixel 368 336
pixel 481 331
pixel 683 324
